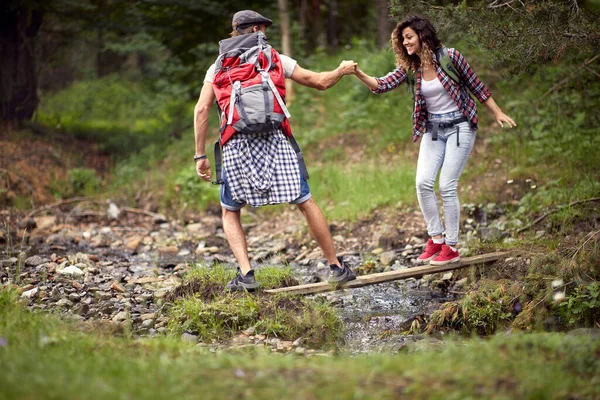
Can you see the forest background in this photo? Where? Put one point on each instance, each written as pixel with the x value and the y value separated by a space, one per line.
pixel 96 101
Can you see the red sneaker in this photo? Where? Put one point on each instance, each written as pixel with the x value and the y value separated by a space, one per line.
pixel 447 256
pixel 431 250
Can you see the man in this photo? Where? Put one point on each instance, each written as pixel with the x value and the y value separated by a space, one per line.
pixel 234 183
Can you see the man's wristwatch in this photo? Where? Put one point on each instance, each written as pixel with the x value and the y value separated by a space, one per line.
pixel 197 158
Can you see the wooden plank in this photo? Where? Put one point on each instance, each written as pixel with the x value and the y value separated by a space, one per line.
pixel 389 276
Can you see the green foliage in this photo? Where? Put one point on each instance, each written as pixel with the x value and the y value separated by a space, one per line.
pixel 353 190
pixel 481 311
pixel 582 307
pixel 202 307
pixel 348 111
pixel 59 360
pixel 192 189
pixel 121 116
pixel 84 181
pixel 521 36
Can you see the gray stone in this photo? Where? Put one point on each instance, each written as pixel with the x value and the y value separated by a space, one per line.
pixel 187 337
pixel 30 294
pixel 148 323
pixel 461 284
pixel 386 258
pixel 71 271
pixel 121 316
pixel 36 260
pixel 489 234
pixel 64 303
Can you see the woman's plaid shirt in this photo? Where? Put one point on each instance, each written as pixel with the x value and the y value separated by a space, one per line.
pixel 460 95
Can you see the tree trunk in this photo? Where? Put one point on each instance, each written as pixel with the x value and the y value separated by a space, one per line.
pixel 18 80
pixel 286 45
pixel 385 25
pixel 332 26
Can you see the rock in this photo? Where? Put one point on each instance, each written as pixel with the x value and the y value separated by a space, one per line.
pixel 116 287
pixel 250 331
pixel 188 337
pixel 387 257
pixel 45 222
pixel 377 251
pixel 64 303
pixel 148 323
pixel 489 234
pixel 194 228
pixel 30 294
pixel 338 238
pixel 76 285
pixel 461 284
pixel 133 243
pixel 121 316
pixel 416 240
pixel 71 271
pixel 447 276
pixel 203 250
pixel 160 219
pixel 300 350
pixel 34 261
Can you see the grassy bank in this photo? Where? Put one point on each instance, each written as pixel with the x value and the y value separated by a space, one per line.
pixel 201 307
pixel 44 358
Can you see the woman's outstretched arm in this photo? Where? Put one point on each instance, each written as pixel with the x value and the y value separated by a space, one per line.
pixel 499 115
pixel 367 80
pixel 384 84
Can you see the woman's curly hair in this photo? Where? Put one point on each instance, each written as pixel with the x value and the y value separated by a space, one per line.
pixel 427 36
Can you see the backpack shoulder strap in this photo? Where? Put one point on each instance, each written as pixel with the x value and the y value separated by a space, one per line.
pixel 411 80
pixel 446 63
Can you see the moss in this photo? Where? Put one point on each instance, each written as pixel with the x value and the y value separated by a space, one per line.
pixel 201 306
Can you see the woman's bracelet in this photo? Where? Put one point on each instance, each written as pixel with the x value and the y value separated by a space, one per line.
pixel 198 158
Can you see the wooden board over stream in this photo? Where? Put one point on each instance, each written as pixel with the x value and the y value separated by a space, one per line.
pixel 389 276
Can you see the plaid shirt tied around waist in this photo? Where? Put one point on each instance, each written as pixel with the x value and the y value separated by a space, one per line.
pixel 261 168
pixel 459 94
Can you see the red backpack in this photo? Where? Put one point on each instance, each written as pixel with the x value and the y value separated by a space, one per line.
pixel 249 85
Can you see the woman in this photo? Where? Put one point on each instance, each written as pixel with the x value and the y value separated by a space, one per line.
pixel 446 116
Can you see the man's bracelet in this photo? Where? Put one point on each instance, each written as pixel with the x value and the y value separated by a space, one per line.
pixel 202 157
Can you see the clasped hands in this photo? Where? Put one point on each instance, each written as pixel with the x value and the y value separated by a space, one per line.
pixel 348 67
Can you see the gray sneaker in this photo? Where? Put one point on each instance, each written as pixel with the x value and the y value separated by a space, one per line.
pixel 243 282
pixel 341 274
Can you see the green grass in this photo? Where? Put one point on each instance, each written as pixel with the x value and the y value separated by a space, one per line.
pixel 200 306
pixel 44 358
pixel 351 191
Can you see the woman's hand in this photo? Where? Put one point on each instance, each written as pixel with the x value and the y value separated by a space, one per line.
pixel 203 169
pixel 502 118
pixel 347 67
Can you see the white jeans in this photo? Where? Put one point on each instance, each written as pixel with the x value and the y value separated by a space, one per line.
pixel 451 158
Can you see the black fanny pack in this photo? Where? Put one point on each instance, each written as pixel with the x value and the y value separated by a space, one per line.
pixel 433 126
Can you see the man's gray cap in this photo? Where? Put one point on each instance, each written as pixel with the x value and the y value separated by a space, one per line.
pixel 245 18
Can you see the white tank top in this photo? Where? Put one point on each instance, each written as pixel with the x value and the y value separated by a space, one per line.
pixel 437 98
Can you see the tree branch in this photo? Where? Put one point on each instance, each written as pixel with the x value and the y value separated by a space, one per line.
pixel 53 205
pixel 557 208
pixel 568 78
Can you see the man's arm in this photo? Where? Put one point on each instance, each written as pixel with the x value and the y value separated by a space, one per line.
pixel 201 111
pixel 322 80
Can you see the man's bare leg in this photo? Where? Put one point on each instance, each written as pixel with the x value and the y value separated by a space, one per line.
pixel 236 237
pixel 319 229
